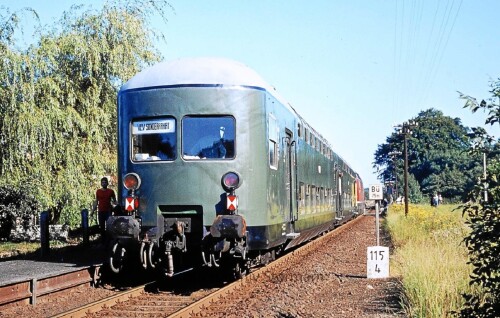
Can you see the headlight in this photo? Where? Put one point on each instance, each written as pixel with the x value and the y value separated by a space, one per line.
pixel 230 181
pixel 131 181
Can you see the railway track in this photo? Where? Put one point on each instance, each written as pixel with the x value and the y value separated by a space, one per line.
pixel 193 299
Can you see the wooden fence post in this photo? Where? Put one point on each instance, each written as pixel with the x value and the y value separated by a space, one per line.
pixel 85 226
pixel 44 234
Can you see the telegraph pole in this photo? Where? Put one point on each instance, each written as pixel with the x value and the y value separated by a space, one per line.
pixel 484 177
pixel 406 173
pixel 405 130
pixel 481 145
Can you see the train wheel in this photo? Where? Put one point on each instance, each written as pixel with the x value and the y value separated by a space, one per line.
pixel 143 253
pixel 152 257
pixel 117 258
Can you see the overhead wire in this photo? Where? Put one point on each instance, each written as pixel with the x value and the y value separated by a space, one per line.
pixel 411 89
pixel 394 58
pixel 414 43
pixel 399 49
pixel 443 42
pixel 427 47
pixel 438 46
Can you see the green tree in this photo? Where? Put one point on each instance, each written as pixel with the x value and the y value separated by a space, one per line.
pixel 437 156
pixel 491 105
pixel 58 97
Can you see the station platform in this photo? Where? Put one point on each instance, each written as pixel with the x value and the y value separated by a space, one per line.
pixel 24 270
pixel 27 277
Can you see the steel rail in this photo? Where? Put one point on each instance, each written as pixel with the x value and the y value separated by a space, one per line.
pixel 209 300
pixel 101 304
pixel 197 307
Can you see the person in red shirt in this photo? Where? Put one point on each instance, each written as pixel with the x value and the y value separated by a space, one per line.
pixel 105 199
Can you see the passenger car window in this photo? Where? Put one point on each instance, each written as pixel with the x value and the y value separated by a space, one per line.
pixel 154 139
pixel 208 137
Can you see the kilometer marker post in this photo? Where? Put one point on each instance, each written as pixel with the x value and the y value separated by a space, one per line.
pixel 377 257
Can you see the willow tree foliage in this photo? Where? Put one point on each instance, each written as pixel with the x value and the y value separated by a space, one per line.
pixel 58 98
pixel 483 213
pixel 438 157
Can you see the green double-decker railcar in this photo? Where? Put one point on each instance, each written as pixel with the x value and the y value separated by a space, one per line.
pixel 218 170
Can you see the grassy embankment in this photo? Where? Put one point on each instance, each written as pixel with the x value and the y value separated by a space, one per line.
pixel 18 248
pixel 430 258
pixel 11 249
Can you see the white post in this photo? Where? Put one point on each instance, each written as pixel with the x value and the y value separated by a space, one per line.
pixel 484 176
pixel 377 257
pixel 377 224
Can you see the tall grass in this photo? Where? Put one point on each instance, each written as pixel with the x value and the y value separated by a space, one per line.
pixel 430 258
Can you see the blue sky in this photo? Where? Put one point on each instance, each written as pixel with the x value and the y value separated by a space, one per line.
pixel 352 69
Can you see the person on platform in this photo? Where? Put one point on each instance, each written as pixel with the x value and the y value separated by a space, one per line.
pixel 105 199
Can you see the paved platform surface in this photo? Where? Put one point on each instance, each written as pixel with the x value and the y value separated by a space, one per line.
pixel 22 270
pixel 18 270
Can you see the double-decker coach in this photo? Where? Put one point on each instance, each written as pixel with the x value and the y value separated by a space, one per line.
pixel 218 170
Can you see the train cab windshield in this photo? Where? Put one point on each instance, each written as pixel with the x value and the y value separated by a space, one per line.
pixel 154 139
pixel 203 137
pixel 208 137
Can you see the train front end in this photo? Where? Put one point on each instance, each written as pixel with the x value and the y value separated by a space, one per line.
pixel 181 169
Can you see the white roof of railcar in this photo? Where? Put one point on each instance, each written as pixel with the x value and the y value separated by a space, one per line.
pixel 201 71
pixel 197 71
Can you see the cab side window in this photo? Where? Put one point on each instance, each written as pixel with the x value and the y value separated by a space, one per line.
pixel 273 142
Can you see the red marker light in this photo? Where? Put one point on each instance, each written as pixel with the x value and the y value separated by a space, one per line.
pixel 230 181
pixel 131 181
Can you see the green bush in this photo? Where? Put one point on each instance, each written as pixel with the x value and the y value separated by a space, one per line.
pixel 483 246
pixel 16 203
